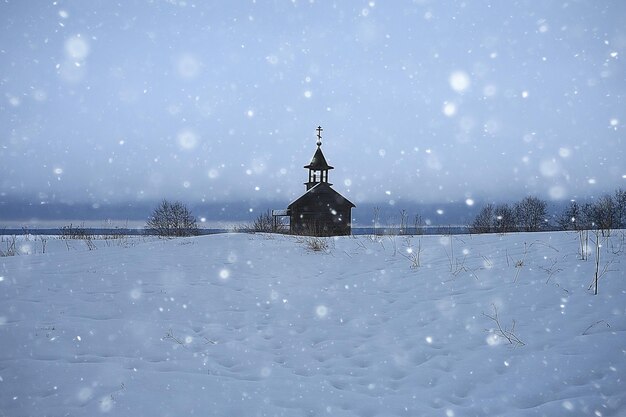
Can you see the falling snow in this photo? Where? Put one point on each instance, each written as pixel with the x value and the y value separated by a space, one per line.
pixel 436 107
pixel 459 81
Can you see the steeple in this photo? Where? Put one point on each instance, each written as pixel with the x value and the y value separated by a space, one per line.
pixel 318 168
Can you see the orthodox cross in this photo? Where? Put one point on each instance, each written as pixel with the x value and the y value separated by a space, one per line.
pixel 319 135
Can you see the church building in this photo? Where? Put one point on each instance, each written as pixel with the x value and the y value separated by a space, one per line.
pixel 320 211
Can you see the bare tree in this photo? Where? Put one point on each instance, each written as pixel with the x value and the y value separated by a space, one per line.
pixel 578 217
pixel 418 223
pixel 376 219
pixel 504 218
pixel 530 214
pixel 483 221
pixel 172 219
pixel 404 217
pixel 604 214
pixel 266 222
pixel 587 215
pixel 620 208
pixel 572 217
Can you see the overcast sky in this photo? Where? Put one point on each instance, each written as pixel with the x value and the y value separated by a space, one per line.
pixel 426 101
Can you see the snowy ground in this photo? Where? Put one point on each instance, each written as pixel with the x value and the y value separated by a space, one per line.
pixel 258 325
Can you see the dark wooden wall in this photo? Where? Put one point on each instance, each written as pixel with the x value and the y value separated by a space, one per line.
pixel 321 214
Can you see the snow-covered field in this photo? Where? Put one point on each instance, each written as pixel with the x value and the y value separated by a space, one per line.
pixel 258 325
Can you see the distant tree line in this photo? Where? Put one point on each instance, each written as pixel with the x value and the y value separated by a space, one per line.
pixel 530 215
pixel 606 213
pixel 527 215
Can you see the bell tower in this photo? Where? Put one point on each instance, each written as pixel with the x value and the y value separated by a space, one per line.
pixel 318 168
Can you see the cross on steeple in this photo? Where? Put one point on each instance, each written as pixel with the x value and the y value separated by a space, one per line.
pixel 319 135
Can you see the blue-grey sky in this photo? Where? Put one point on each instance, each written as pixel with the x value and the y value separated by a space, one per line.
pixel 426 101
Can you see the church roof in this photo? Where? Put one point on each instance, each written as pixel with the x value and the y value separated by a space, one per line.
pixel 318 189
pixel 318 162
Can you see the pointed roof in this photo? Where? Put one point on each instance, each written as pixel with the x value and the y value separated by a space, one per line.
pixel 318 162
pixel 321 188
